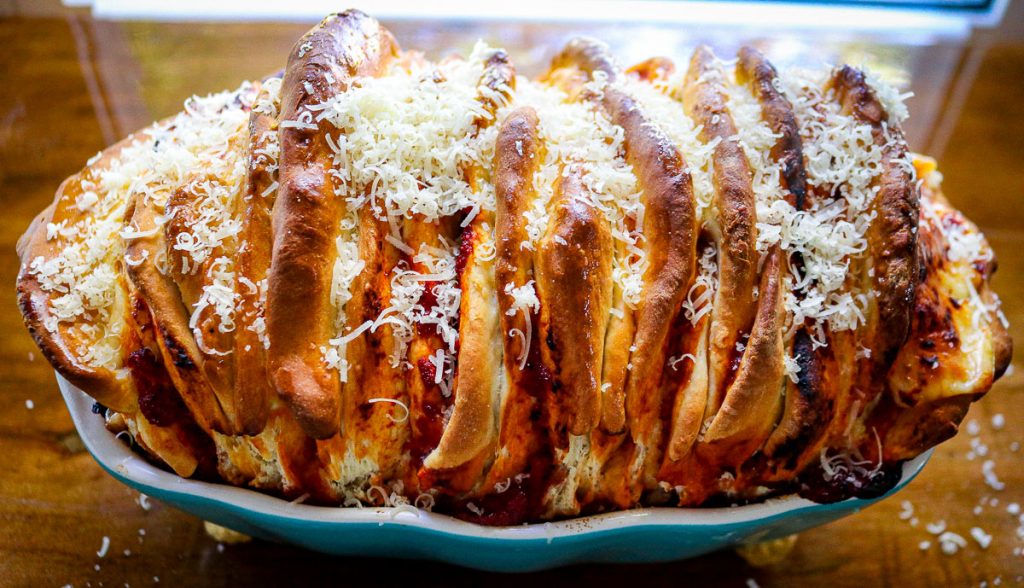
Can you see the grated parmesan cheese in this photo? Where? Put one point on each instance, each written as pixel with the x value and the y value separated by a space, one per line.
pixel 524 300
pixel 699 299
pixel 219 297
pixel 579 134
pixel 158 160
pixel 840 159
pixel 405 139
pixel 347 266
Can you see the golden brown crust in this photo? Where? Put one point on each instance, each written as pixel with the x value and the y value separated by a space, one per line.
pixel 615 371
pixel 574 274
pixel 517 154
pixel 892 237
pixel 306 213
pixel 752 403
pixel 691 397
pixel 758 73
pixel 181 355
pixel 251 392
pixel 471 430
pixel 62 346
pixel 924 426
pixel 586 56
pixel 808 408
pixel 670 234
pixel 958 344
pixel 704 98
pixel 670 231
pixel 574 66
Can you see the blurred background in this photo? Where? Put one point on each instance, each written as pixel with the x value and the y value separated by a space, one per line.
pixel 79 75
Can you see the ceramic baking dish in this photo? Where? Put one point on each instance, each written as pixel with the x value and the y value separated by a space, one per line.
pixel 639 535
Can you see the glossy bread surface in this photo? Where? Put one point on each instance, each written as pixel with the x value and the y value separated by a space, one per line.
pixel 382 280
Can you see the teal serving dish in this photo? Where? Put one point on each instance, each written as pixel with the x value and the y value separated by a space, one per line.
pixel 633 536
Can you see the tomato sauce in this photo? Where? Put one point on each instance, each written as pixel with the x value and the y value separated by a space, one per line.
pixel 159 401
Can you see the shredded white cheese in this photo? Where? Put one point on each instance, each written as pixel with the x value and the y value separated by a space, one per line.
pixel 579 135
pixel 699 299
pixel 160 159
pixel 524 300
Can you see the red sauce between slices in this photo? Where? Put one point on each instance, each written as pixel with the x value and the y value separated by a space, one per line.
pixel 428 420
pixel 523 501
pixel 159 401
pixel 735 360
pixel 465 250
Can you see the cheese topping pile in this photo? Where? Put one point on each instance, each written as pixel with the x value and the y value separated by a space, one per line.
pixel 198 149
pixel 418 145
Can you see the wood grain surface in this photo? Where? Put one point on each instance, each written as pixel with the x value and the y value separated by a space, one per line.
pixel 56 505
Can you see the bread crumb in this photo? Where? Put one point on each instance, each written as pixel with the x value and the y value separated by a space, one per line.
pixel 224 535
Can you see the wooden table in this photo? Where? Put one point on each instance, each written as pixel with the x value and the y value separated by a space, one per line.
pixel 56 505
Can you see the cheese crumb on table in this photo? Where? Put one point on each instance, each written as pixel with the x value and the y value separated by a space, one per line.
pixel 998 421
pixel 104 547
pixel 983 538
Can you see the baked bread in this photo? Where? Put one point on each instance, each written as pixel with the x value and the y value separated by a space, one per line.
pixel 376 279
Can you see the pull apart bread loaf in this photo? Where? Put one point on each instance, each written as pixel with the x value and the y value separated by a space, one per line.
pixel 382 280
